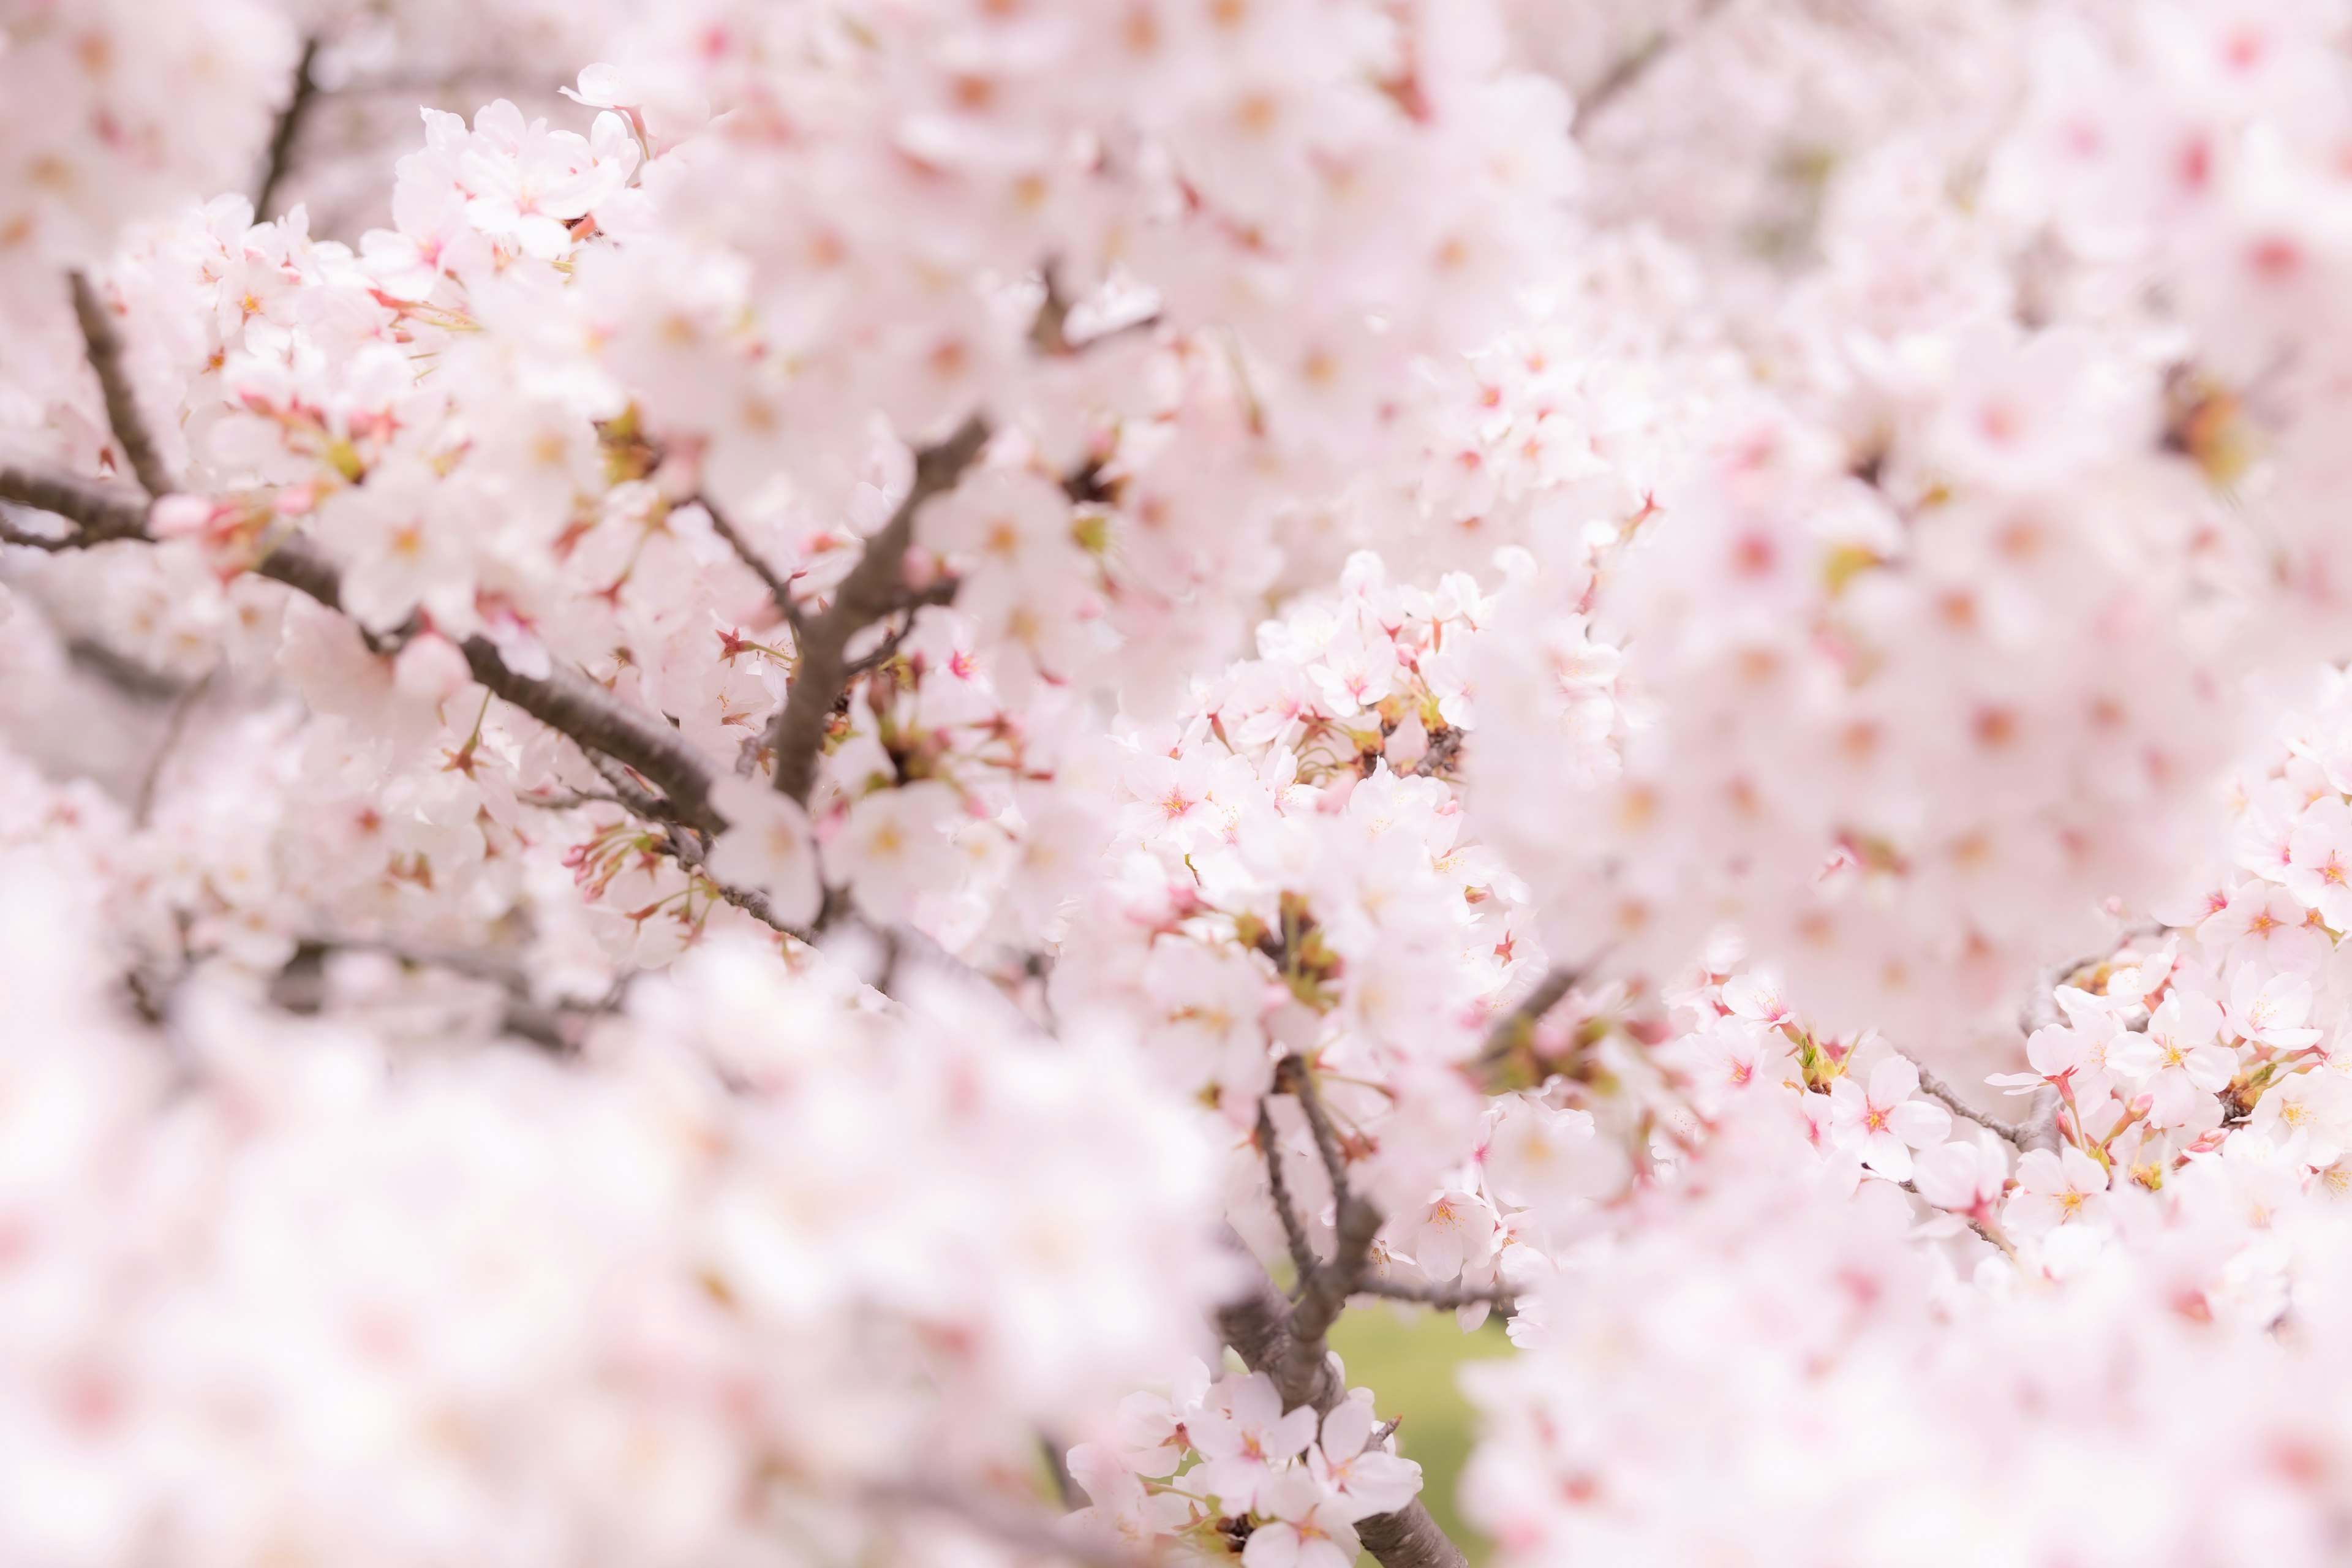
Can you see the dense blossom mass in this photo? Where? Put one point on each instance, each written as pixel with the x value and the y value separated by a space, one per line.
pixel 777 794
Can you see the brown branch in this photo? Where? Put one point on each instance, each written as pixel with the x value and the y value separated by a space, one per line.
pixel 288 131
pixel 876 587
pixel 105 348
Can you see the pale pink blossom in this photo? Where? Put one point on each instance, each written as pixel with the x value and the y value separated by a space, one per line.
pixel 2067 1188
pixel 1247 1443
pixel 1365 1477
pixel 2178 1060
pixel 768 845
pixel 2269 1012
pixel 1883 1121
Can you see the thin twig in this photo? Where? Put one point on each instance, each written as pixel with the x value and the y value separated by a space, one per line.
pixel 1302 1254
pixel 780 587
pixel 1293 1076
pixel 563 699
pixel 682 846
pixel 1356 1223
pixel 626 789
pixel 1990 1233
pixel 884 651
pixel 1453 1295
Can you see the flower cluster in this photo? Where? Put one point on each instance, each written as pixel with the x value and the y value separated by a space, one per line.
pixel 1220 1464
pixel 354 1299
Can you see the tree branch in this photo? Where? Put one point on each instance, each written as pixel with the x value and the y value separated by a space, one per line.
pixel 562 699
pixel 1259 1326
pixel 100 512
pixel 1325 1292
pixel 1512 1031
pixel 1937 1088
pixel 567 700
pixel 288 131
pixel 688 852
pixel 625 788
pixel 875 587
pixel 105 348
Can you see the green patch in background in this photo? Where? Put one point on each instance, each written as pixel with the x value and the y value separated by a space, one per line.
pixel 1408 1360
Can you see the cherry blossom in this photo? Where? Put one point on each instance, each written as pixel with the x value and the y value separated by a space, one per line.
pixel 912 729
pixel 1883 1121
pixel 1248 1441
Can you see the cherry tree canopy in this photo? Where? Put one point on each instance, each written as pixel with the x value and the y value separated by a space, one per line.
pixel 777 797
